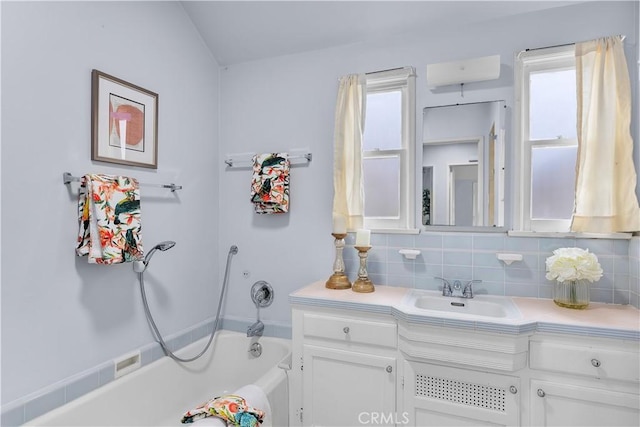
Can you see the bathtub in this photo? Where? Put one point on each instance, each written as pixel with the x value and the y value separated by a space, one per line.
pixel 159 393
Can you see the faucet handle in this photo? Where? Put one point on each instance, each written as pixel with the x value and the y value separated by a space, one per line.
pixel 446 286
pixel 467 292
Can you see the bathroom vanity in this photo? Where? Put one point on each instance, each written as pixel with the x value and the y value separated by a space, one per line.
pixel 402 357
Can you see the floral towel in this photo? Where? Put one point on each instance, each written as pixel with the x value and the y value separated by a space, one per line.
pixel 109 219
pixel 270 183
pixel 231 408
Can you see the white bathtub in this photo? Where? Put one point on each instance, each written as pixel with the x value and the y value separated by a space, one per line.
pixel 159 393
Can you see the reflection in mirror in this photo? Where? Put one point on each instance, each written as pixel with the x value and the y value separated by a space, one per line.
pixel 463 208
pixel 463 154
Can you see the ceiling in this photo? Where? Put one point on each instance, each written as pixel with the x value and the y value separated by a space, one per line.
pixel 241 31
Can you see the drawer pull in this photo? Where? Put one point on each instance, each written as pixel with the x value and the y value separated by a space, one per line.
pixel 345 329
pixel 541 392
pixel 389 369
pixel 595 363
pixel 513 389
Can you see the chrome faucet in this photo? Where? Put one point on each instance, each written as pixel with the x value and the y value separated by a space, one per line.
pixel 464 292
pixel 457 285
pixel 255 330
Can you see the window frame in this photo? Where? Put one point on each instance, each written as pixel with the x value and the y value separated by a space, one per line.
pixel 403 80
pixel 546 59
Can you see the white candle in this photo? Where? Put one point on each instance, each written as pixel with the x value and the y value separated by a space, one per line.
pixel 363 238
pixel 339 224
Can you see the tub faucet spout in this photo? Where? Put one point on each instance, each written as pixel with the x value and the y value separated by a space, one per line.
pixel 255 330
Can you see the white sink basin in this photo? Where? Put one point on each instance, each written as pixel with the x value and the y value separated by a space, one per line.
pixel 479 305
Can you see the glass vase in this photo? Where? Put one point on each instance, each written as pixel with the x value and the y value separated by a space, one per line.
pixel 572 294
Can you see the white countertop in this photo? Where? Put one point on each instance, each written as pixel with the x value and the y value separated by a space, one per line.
pixel 537 314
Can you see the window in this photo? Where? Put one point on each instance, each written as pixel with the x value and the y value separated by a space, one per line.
pixel 548 145
pixel 388 150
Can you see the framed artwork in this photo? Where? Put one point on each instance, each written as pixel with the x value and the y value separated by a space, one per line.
pixel 124 122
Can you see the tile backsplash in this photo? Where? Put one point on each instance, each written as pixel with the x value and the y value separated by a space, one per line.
pixel 467 256
pixel 634 271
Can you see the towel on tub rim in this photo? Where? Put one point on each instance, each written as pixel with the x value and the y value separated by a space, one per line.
pixel 109 219
pixel 270 183
pixel 231 408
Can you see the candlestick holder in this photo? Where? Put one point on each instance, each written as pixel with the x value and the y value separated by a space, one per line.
pixel 338 279
pixel 363 284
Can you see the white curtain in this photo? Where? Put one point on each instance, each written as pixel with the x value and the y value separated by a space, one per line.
pixel 606 201
pixel 348 197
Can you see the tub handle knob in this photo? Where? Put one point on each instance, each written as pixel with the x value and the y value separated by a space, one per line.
pixel 595 363
pixel 389 369
pixel 345 329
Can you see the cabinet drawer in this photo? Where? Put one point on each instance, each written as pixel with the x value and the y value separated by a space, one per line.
pixel 583 360
pixel 349 330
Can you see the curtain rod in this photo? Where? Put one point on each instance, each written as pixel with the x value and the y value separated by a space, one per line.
pixel 564 44
pixel 468 103
pixel 407 67
pixel 384 71
pixel 67 178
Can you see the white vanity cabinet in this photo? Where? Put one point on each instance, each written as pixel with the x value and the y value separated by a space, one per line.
pixel 345 367
pixel 584 382
pixel 372 359
pixel 453 377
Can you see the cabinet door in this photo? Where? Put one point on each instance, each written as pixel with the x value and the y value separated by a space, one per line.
pixel 437 395
pixel 554 404
pixel 346 388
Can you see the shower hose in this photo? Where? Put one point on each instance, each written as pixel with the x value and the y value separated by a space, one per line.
pixel 232 251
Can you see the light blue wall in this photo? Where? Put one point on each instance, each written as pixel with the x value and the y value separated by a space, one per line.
pixel 289 102
pixel 61 316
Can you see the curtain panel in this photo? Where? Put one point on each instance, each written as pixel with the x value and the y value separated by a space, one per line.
pixel 348 198
pixel 605 174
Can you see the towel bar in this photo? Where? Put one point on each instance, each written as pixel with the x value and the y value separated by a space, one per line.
pixel 68 178
pixel 230 162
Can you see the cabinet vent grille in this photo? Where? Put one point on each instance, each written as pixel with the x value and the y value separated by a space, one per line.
pixel 460 392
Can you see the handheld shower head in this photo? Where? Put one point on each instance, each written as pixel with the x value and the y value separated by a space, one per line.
pixel 166 245
pixel 140 266
pixel 163 246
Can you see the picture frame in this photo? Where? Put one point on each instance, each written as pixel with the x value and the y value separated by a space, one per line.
pixel 124 122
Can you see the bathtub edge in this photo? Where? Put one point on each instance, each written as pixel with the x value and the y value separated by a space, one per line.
pixel 27 408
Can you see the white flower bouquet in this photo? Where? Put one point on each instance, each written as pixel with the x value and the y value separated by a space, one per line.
pixel 571 264
pixel 572 268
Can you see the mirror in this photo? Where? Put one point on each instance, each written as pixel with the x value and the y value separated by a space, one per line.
pixel 463 165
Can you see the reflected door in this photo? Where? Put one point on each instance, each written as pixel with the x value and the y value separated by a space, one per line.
pixel 463 195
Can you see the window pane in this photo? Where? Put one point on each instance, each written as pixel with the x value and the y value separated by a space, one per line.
pixel 552 109
pixel 382 187
pixel 383 122
pixel 553 175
